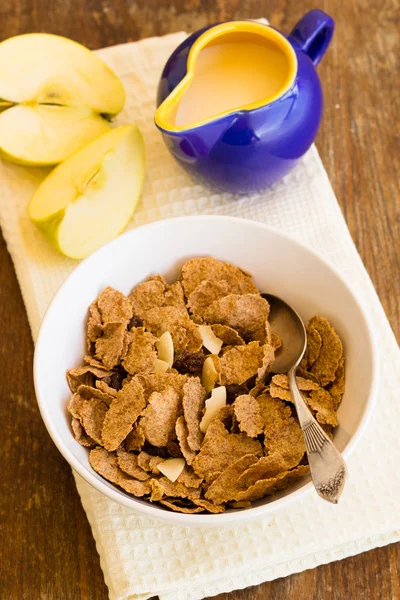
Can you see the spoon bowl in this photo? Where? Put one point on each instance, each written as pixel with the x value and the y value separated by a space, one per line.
pixel 286 323
pixel 328 469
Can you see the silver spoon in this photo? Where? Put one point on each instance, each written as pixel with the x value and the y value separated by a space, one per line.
pixel 328 469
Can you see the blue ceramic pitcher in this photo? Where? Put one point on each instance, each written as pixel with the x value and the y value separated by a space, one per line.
pixel 239 103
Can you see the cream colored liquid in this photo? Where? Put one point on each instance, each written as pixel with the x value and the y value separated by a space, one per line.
pixel 231 75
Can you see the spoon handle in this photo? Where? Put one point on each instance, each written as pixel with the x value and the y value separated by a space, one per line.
pixel 328 469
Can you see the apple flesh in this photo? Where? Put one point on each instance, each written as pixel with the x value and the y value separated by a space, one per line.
pixel 56 96
pixel 88 199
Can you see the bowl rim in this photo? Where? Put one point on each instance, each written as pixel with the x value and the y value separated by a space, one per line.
pixel 153 511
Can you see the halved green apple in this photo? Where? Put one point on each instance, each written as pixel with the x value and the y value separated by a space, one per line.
pixel 88 199
pixel 56 96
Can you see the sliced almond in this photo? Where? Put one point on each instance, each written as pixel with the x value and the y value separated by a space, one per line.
pixel 165 348
pixel 160 366
pixel 216 401
pixel 210 340
pixel 209 374
pixel 172 468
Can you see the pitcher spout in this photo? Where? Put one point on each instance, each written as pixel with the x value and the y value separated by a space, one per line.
pixel 231 67
pixel 195 143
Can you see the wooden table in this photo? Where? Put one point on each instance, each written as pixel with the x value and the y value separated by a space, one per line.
pixel 46 548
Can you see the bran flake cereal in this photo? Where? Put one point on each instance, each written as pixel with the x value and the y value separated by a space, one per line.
pixel 134 419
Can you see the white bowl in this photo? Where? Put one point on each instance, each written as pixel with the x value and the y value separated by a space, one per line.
pixel 280 265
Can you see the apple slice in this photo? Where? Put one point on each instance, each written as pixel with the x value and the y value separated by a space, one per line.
pixel 88 199
pixel 56 96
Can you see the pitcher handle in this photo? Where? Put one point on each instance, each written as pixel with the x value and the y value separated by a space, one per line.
pixel 313 34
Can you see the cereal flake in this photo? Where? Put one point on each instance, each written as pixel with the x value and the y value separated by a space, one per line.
pixel 285 436
pixel 135 439
pixel 141 355
pixel 110 346
pixel 225 487
pixel 114 307
pixel 80 435
pixel 248 414
pixel 221 448
pixel 182 434
pixel 331 352
pixel 106 464
pixel 227 334
pixel 159 417
pixel 272 409
pixel 324 405
pixel 245 313
pixel 199 269
pixel 128 462
pixel 122 414
pixel 265 468
pixel 193 401
pixel 239 363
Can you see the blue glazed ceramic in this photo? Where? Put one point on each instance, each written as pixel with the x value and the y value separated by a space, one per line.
pixel 239 103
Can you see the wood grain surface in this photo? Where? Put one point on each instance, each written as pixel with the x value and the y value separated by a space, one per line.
pixel 46 548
